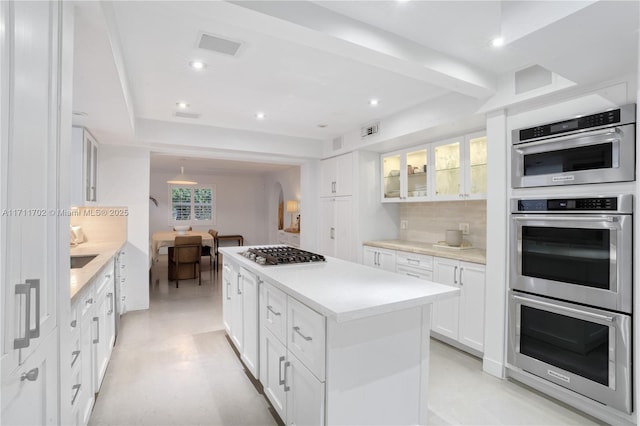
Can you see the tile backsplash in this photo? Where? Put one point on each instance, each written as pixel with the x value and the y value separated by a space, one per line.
pixel 427 222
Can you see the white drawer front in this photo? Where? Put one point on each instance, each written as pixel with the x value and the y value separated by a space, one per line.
pixel 274 311
pixel 306 336
pixel 415 272
pixel 414 260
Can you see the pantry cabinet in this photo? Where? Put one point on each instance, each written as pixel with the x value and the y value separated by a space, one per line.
pixel 84 155
pixel 336 176
pixel 460 319
pixel 32 114
pixel 451 169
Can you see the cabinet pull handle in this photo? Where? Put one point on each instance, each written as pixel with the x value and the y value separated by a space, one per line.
pixel 413 261
pixel 75 395
pixel 23 342
pixel 31 375
pixel 35 284
pixel 413 275
pixel 228 285
pixel 286 388
pixel 89 301
pixel 75 355
pixel 238 284
pixel 97 321
pixel 297 330
pixel 455 269
pixel 111 304
pixel 461 269
pixel 74 323
pixel 281 381
pixel 332 233
pixel 270 308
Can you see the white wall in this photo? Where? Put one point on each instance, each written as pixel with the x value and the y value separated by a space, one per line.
pixel 123 180
pixel 240 205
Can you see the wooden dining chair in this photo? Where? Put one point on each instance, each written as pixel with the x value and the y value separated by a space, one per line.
pixel 185 258
pixel 214 249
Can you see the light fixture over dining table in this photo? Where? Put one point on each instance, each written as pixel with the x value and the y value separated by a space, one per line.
pixel 182 179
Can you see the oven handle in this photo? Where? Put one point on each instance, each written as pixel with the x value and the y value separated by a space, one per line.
pixel 567 138
pixel 560 309
pixel 598 219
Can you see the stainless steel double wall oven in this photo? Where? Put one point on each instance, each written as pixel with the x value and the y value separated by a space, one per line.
pixel 571 276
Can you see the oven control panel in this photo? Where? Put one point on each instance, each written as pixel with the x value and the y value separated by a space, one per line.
pixel 568 204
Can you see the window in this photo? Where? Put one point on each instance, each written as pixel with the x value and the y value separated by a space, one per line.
pixel 194 204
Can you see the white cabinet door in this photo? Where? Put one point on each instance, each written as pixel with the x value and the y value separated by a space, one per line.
pixel 237 327
pixel 305 397
pixel 344 175
pixel 306 336
pixel 29 147
pixel 445 312
pixel 343 231
pixel 273 356
pixel 227 288
pixel 100 352
pixel 250 349
pixel 472 301
pixel 379 258
pixel 273 310
pixel 87 394
pixel 328 171
pixel 327 227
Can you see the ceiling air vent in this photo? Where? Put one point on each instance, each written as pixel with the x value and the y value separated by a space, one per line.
pixel 186 115
pixel 369 130
pixel 337 143
pixel 218 44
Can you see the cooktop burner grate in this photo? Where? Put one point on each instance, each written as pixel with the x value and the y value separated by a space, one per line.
pixel 281 255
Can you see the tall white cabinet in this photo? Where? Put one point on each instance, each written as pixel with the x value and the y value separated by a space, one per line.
pixel 84 154
pixel 30 142
pixel 336 207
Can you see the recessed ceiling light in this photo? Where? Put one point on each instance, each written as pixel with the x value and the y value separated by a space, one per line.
pixel 322 125
pixel 260 115
pixel 374 102
pixel 197 65
pixel 497 42
pixel 182 105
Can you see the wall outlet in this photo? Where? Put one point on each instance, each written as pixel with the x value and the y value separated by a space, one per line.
pixel 464 227
pixel 404 224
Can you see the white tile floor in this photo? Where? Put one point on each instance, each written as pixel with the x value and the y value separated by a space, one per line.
pixel 172 365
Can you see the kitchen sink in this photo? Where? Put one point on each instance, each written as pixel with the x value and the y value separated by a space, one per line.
pixel 81 261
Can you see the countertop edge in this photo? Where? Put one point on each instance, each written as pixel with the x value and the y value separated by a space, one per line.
pixel 106 251
pixel 472 255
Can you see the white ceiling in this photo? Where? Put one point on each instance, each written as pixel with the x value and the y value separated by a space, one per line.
pixel 171 164
pixel 306 64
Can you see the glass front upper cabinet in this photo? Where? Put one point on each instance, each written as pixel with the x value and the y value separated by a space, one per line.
pixel 453 169
pixel 405 175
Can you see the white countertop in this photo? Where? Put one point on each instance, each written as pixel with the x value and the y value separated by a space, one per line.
pixel 345 290
pixel 473 255
pixel 79 277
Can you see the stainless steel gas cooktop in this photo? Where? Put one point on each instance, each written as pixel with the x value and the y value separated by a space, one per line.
pixel 281 255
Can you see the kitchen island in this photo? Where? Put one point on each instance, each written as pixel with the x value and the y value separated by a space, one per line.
pixel 332 342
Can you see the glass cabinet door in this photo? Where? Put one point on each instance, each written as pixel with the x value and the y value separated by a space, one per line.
pixel 391 167
pixel 417 174
pixel 447 158
pixel 477 181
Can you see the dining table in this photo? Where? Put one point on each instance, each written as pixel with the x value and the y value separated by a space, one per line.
pixel 161 239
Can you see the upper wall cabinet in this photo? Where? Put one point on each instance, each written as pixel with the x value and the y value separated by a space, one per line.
pixel 405 175
pixel 445 170
pixel 336 176
pixel 84 177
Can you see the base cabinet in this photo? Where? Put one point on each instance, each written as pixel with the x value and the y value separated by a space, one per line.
pixel 305 396
pixel 379 258
pixel 240 313
pixel 460 319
